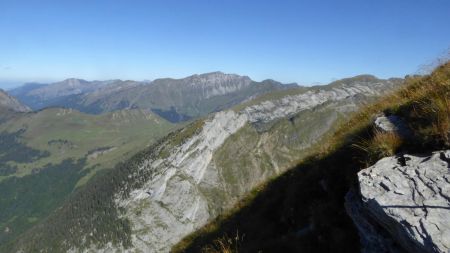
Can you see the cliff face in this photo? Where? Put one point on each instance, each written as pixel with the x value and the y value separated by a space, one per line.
pixel 291 104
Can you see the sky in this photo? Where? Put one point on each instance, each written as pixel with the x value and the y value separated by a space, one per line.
pixel 289 41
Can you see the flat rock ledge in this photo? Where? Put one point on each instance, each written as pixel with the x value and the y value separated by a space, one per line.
pixel 403 204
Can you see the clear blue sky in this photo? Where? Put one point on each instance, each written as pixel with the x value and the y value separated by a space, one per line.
pixel 290 41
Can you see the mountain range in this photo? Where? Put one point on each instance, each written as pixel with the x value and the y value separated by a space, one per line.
pixel 173 99
pixel 228 135
pixel 220 163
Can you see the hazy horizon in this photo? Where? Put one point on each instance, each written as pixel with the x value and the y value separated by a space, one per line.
pixel 290 41
pixel 19 84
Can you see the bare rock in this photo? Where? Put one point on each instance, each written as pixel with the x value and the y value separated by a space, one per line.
pixel 409 198
pixel 392 123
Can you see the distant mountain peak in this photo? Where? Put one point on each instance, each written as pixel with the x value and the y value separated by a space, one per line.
pixel 74 81
pixel 217 75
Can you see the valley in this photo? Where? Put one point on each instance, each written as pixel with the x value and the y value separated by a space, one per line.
pixel 46 155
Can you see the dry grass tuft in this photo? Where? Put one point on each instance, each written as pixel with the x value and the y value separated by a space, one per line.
pixel 225 244
pixel 382 144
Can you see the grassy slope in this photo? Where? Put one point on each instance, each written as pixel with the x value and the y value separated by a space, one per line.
pixel 62 150
pixel 302 210
pixel 89 215
pixel 68 133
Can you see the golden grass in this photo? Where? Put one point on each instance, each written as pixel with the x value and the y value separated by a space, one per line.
pixel 382 144
pixel 423 102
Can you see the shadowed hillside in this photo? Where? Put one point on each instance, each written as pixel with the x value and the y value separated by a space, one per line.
pixel 303 209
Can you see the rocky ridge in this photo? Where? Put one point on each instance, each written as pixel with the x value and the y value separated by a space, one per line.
pixel 289 105
pixel 175 201
pixel 212 84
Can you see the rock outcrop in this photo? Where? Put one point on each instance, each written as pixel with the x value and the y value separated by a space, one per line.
pixel 392 123
pixel 404 204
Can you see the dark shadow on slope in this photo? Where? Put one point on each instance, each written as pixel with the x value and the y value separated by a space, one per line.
pixel 172 115
pixel 300 211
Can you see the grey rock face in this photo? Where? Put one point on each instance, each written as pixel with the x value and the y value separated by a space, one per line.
pixel 215 83
pixel 289 105
pixel 174 203
pixel 409 197
pixel 372 241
